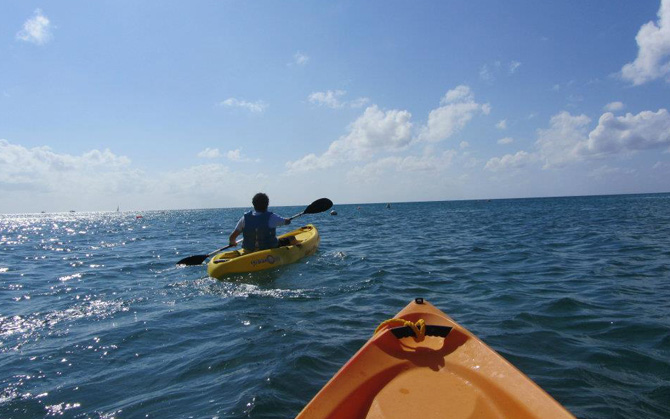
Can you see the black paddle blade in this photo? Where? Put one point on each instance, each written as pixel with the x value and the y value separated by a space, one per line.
pixel 193 260
pixel 320 205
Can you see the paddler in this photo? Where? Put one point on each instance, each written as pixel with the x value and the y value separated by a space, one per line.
pixel 258 227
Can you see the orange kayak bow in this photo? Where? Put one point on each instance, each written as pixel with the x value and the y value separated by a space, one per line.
pixel 449 373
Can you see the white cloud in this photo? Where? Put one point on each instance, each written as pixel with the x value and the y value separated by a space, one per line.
pixel 568 140
pixel 373 132
pixel 653 56
pixel 514 66
pixel 329 98
pixel 300 59
pixel 256 107
pixel 359 103
pixel 489 72
pixel 209 153
pixel 459 107
pixel 41 169
pixel 378 131
pixel 557 145
pixel 403 165
pixel 502 124
pixel 461 93
pixel 35 179
pixel 310 162
pixel 629 133
pixel 332 99
pixel 234 155
pixel 485 73
pixel 237 156
pixel 506 140
pixel 464 144
pixel 613 106
pixel 16 159
pixel 510 161
pixel 36 30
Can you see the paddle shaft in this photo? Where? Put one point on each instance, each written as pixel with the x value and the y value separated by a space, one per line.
pixel 224 248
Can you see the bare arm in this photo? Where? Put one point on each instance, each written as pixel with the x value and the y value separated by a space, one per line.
pixel 232 240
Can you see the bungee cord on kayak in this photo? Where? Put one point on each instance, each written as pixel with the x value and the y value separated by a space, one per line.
pixel 419 328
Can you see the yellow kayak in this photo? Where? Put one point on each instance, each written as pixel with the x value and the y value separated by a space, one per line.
pixel 240 261
pixel 449 373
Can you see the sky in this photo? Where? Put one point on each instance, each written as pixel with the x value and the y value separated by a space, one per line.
pixel 172 105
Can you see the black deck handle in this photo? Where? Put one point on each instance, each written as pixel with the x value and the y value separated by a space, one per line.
pixel 431 330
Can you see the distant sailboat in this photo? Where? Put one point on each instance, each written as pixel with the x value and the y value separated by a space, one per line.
pixel 117 208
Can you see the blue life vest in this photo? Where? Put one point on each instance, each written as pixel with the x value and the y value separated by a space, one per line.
pixel 257 233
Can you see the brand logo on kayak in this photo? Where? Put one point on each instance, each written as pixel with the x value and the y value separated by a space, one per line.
pixel 269 259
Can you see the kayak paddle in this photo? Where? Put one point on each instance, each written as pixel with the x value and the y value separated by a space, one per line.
pixel 198 259
pixel 320 205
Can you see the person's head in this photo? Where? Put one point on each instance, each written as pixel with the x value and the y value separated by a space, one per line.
pixel 261 202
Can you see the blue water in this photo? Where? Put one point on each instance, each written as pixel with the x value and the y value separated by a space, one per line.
pixel 97 321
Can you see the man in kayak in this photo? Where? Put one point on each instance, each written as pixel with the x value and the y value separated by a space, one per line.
pixel 258 227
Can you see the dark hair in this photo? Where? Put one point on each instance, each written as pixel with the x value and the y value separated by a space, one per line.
pixel 261 202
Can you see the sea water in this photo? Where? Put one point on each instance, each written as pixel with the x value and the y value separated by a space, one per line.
pixel 96 320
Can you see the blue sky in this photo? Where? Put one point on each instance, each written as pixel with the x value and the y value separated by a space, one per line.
pixel 163 105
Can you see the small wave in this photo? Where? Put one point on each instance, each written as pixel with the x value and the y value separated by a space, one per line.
pixel 227 289
pixel 568 305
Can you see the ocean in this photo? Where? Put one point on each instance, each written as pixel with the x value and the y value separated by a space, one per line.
pixel 97 321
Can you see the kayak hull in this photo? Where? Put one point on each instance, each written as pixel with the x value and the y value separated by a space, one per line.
pixel 457 376
pixel 241 261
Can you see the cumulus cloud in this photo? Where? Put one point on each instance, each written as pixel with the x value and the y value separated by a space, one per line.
pixel 16 159
pixel 378 131
pixel 502 124
pixel 333 99
pixel 506 140
pixel 614 106
pixel 628 133
pixel 459 107
pixel 237 156
pixel 36 30
pixel 234 155
pixel 558 144
pixel 256 107
pixel 209 153
pixel 510 161
pixel 568 139
pixel 653 56
pixel 373 132
pixel 39 178
pixel 41 169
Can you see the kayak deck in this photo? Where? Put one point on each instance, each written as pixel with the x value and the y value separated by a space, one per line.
pixel 240 261
pixel 457 376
